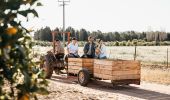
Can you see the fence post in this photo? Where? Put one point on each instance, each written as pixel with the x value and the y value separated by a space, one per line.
pixel 109 54
pixel 135 53
pixel 167 57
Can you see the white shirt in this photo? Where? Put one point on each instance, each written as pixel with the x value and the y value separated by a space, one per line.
pixel 73 48
pixel 102 51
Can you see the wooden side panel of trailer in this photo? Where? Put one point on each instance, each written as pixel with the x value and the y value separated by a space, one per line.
pixel 75 64
pixel 117 70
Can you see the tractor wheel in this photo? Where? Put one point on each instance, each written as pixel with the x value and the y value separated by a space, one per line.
pixel 48 70
pixel 83 77
pixel 57 72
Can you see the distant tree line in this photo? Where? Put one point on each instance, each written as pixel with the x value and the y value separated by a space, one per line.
pixel 44 34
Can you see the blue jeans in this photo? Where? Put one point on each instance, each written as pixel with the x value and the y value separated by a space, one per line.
pixel 103 57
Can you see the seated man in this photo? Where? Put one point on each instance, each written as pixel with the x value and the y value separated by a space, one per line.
pixel 59 49
pixel 89 48
pixel 58 52
pixel 72 49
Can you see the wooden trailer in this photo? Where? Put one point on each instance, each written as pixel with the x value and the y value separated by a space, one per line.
pixel 118 71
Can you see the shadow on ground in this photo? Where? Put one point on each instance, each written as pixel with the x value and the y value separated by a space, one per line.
pixel 125 90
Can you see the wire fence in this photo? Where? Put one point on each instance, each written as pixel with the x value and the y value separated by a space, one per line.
pixel 152 54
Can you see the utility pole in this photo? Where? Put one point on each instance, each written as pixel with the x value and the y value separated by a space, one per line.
pixel 63 4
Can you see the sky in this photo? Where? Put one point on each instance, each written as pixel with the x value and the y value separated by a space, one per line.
pixel 105 15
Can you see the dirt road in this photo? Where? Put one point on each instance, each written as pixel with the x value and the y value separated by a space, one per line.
pixel 62 88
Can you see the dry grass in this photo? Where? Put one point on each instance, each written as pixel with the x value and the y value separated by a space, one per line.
pixel 156 75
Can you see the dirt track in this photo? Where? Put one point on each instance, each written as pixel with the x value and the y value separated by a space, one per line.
pixel 62 88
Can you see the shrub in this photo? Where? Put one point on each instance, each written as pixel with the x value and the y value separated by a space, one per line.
pixel 116 43
pixel 18 72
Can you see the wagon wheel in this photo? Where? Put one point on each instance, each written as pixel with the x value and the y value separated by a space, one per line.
pixel 83 77
pixel 48 70
pixel 60 69
pixel 58 72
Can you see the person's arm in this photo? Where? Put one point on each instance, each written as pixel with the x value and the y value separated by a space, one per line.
pixel 77 48
pixel 62 50
pixel 68 51
pixel 85 49
pixel 103 49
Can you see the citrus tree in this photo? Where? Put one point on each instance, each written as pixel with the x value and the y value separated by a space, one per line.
pixel 19 77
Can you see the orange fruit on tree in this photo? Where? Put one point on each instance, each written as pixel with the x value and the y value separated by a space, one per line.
pixel 25 97
pixel 11 31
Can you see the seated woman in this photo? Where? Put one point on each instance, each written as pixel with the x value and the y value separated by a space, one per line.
pixel 101 50
pixel 72 49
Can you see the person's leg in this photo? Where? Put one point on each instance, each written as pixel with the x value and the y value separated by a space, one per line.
pixel 90 56
pixel 84 56
pixel 103 57
pixel 76 56
pixel 71 55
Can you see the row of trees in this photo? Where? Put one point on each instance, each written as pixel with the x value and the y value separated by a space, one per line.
pixel 44 34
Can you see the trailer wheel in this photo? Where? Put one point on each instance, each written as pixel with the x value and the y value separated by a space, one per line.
pixel 83 77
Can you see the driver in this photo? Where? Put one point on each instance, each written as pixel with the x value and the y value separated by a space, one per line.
pixel 59 50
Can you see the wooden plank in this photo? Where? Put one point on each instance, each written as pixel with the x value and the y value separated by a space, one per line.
pixel 75 67
pixel 97 70
pixel 87 60
pixel 116 67
pixel 107 77
pixel 105 67
pixel 74 59
pixel 97 75
pixel 117 62
pixel 87 64
pixel 130 65
pixel 103 62
pixel 96 66
pixel 120 77
pixel 130 68
pixel 74 64
pixel 106 72
pixel 127 72
pixel 96 61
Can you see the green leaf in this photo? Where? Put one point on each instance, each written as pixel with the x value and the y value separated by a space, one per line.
pixel 13 23
pixel 13 5
pixel 35 13
pixel 33 2
pixel 26 12
pixel 39 4
pixel 23 13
